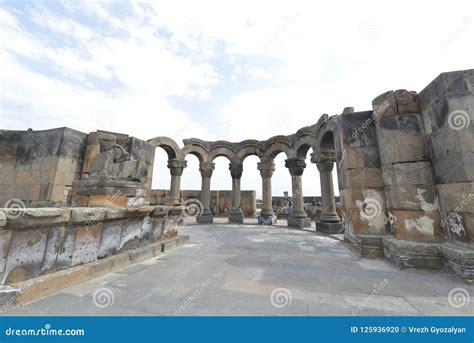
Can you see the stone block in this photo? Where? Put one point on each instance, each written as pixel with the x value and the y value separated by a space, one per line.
pixel 25 255
pixel 357 130
pixel 299 222
pixel 458 197
pixel 401 139
pixel 446 141
pixel 454 168
pixel 110 201
pixel 460 260
pixel 353 197
pixel 360 157
pixel 146 234
pixel 364 178
pixel 369 219
pixel 158 228
pixel 86 246
pixel 449 92
pixel 414 173
pixel 38 217
pixel 170 227
pixel 111 237
pixel 412 254
pixel 418 226
pixel 411 197
pixel 365 245
pixel 59 249
pixel 87 215
pixel 5 240
pixel 131 232
pixel 329 228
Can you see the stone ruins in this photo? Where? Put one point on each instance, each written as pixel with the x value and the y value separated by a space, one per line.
pixel 405 172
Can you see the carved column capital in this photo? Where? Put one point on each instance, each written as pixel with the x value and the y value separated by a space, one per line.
pixel 325 166
pixel 266 167
pixel 206 169
pixel 177 166
pixel 296 166
pixel 236 168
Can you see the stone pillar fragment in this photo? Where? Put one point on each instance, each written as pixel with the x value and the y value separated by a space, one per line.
pixel 176 167
pixel 298 217
pixel 236 215
pixel 266 168
pixel 206 169
pixel 329 221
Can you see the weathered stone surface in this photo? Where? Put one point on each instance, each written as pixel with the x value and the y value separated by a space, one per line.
pixel 59 249
pixel 86 245
pixel 457 197
pixel 170 227
pixel 416 173
pixel 25 255
pixel 412 197
pixel 412 254
pixel 110 240
pixel 5 241
pixel 31 217
pixel 361 178
pixel 455 168
pixel 79 215
pixel 420 226
pixel 460 260
pixel 131 231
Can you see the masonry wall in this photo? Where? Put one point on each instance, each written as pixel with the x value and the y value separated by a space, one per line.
pixel 39 167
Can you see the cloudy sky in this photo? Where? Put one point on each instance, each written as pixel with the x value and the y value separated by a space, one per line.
pixel 218 69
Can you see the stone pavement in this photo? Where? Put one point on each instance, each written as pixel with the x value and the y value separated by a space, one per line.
pixel 253 270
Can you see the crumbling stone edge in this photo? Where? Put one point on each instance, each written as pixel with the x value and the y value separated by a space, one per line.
pixel 29 290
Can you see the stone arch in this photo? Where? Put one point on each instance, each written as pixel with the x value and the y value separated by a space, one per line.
pixel 276 145
pixel 325 139
pixel 222 151
pixel 167 144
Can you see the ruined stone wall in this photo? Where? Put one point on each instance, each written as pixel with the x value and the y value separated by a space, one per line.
pixel 43 240
pixel 221 200
pixel 39 167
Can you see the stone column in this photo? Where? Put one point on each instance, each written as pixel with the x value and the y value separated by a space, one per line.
pixel 266 167
pixel 176 167
pixel 298 217
pixel 329 221
pixel 206 169
pixel 236 215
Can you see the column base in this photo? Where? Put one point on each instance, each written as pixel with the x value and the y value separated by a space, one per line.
pixel 267 219
pixel 329 228
pixel 329 218
pixel 205 217
pixel 236 215
pixel 299 222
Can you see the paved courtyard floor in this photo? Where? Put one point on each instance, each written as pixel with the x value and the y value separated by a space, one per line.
pixel 248 269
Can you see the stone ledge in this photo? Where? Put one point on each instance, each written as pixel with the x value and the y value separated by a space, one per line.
pixel 459 260
pixel 42 217
pixel 32 289
pixel 366 245
pixel 412 254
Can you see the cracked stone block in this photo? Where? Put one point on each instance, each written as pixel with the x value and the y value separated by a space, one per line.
pixel 131 232
pixel 412 197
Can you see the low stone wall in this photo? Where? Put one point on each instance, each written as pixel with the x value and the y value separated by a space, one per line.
pixel 37 241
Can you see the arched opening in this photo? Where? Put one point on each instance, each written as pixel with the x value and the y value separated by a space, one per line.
pixel 251 186
pixel 281 188
pixel 160 182
pixel 191 179
pixel 221 187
